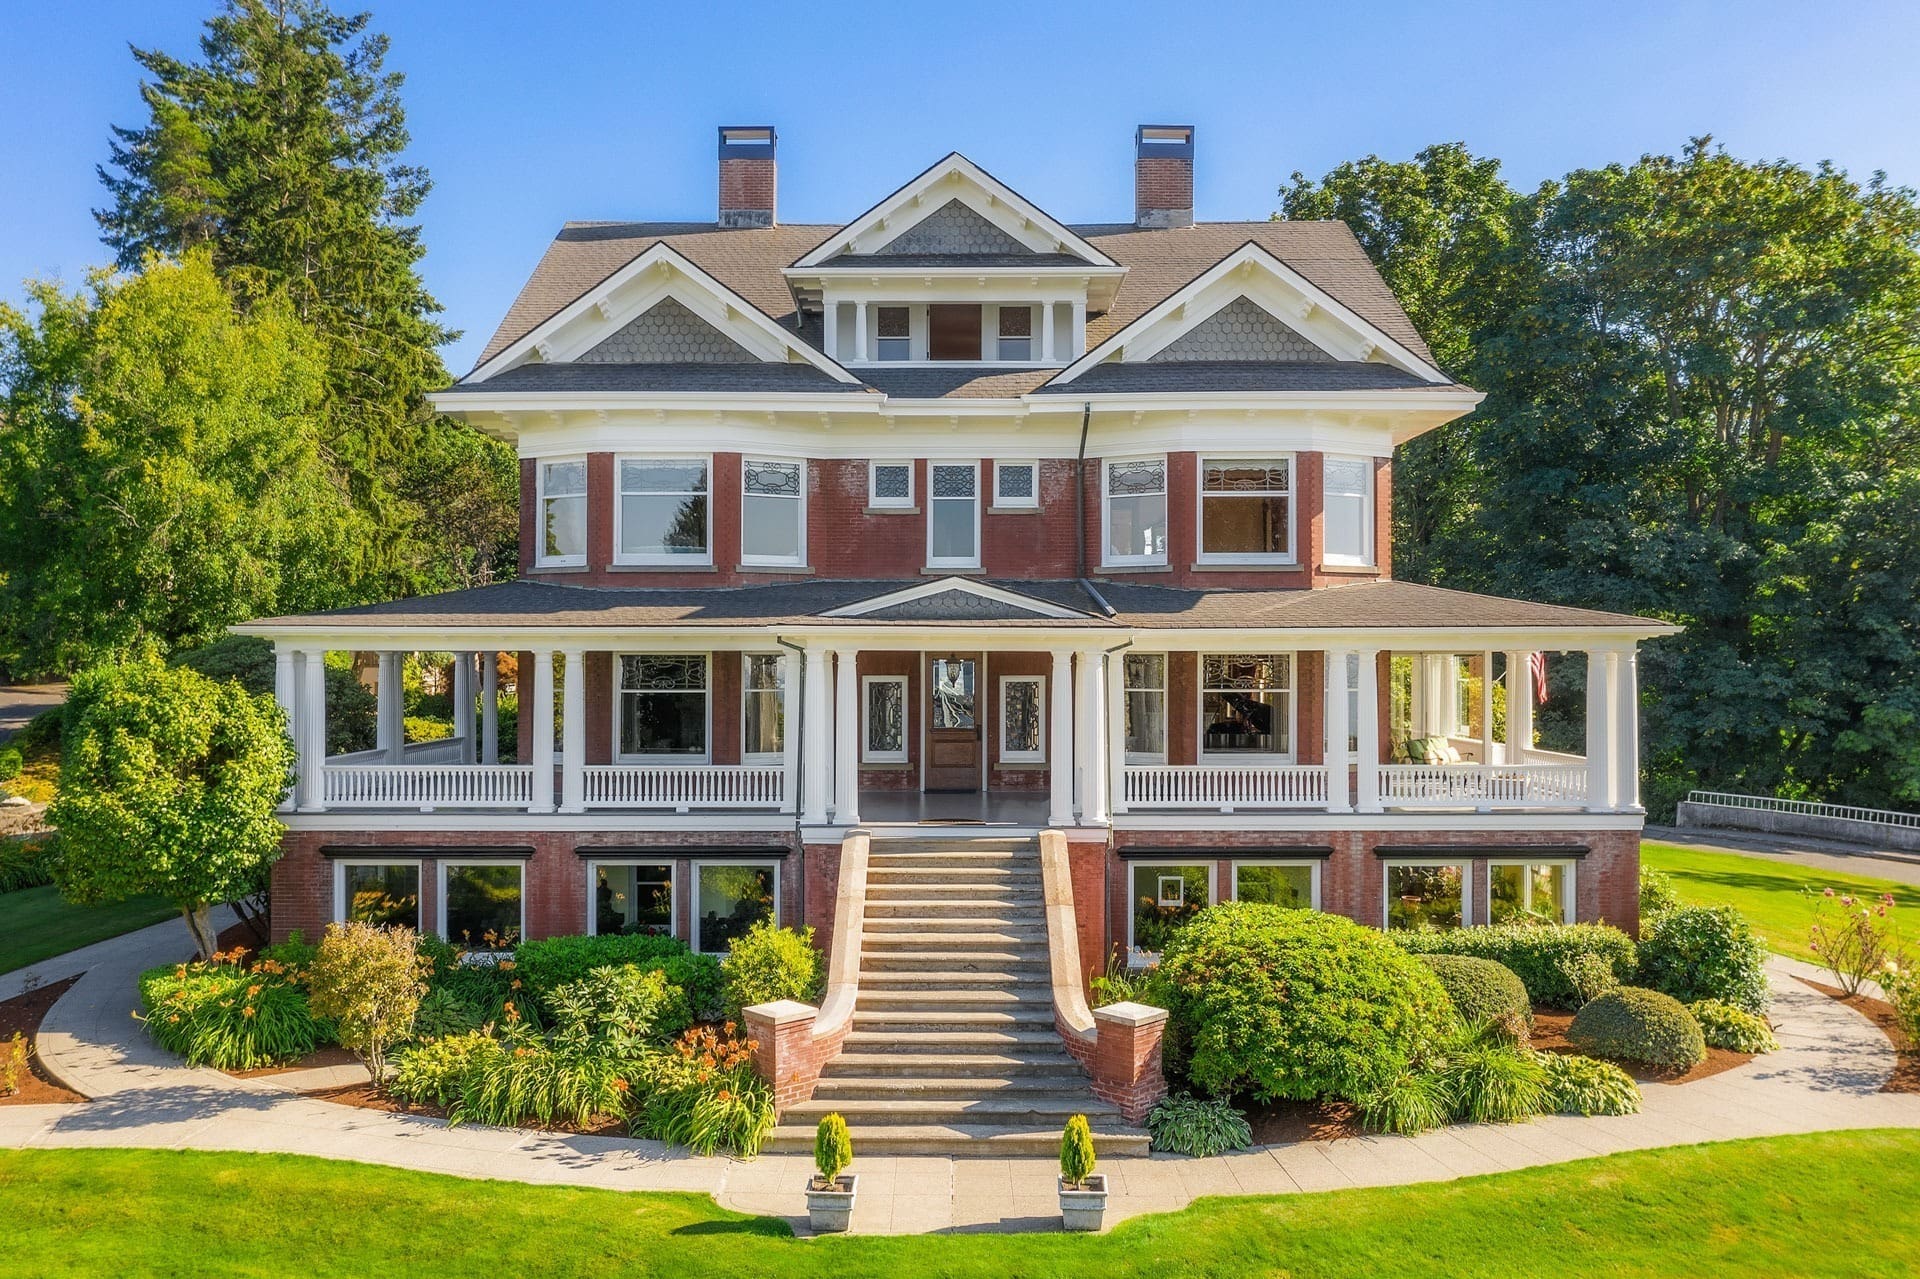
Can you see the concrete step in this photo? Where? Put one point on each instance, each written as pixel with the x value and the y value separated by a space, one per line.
pixel 928 890
pixel 894 938
pixel 1032 984
pixel 1023 961
pixel 876 1063
pixel 955 857
pixel 886 1038
pixel 938 1087
pixel 957 908
pixel 1111 1140
pixel 991 872
pixel 959 998
pixel 1022 1110
pixel 992 928
pixel 947 1020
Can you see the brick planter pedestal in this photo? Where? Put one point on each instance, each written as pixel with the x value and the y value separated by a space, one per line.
pixel 1126 1057
pixel 786 1052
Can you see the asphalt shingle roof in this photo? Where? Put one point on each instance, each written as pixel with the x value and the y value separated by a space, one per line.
pixel 748 378
pixel 1238 375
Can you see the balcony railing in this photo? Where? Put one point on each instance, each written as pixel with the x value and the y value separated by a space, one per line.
pixel 1225 787
pixel 427 785
pixel 684 787
pixel 1483 785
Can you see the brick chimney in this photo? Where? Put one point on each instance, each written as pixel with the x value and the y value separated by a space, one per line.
pixel 1163 175
pixel 746 175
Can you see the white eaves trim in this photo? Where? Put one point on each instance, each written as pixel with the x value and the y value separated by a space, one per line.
pixel 941 585
pixel 615 300
pixel 1175 315
pixel 956 178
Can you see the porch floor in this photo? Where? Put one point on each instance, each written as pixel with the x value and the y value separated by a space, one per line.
pixel 978 808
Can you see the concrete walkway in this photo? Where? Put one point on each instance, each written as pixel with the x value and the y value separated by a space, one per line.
pixel 1819 854
pixel 1826 1076
pixel 168 939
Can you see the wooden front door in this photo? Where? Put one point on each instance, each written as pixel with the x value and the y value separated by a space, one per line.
pixel 953 722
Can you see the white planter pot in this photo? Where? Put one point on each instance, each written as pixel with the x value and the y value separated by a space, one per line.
pixel 831 1211
pixel 1083 1209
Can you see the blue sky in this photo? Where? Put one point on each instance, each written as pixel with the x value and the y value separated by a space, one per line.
pixel 530 114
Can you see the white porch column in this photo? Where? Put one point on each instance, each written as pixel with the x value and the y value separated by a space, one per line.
pixel 573 734
pixel 542 709
pixel 789 739
pixel 390 733
pixel 846 738
pixel 1116 732
pixel 1090 753
pixel 1046 331
pixel 860 330
pixel 284 692
pixel 830 333
pixel 1334 702
pixel 1060 745
pixel 463 704
pixel 1600 708
pixel 1078 345
pixel 1519 706
pixel 1486 708
pixel 1626 715
pixel 489 707
pixel 815 750
pixel 312 733
pixel 1367 732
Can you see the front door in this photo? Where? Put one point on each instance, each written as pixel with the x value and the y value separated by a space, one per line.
pixel 953 723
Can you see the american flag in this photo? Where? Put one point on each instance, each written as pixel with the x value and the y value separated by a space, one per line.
pixel 1537 664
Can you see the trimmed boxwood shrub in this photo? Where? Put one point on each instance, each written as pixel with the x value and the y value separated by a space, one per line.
pixel 1630 1023
pixel 1734 1029
pixel 543 966
pixel 1484 993
pixel 1706 952
pixel 1297 1004
pixel 1538 954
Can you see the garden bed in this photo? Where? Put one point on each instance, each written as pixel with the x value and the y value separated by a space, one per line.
pixel 1550 1036
pixel 367 1097
pixel 22 1015
pixel 1906 1070
pixel 1285 1123
pixel 331 1055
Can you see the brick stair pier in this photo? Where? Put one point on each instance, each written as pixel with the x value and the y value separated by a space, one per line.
pixel 952 1047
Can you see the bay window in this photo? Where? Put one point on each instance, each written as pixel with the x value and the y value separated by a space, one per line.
pixel 1246 510
pixel 1146 707
pixel 662 706
pixel 763 687
pixel 1347 499
pixel 563 512
pixel 1246 703
pixel 953 515
pixel 1134 510
pixel 773 512
pixel 661 517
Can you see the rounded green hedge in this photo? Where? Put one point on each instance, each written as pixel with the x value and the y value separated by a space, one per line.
pixel 1735 1029
pixel 1297 1004
pixel 1483 992
pixel 1706 952
pixel 1543 956
pixel 1630 1023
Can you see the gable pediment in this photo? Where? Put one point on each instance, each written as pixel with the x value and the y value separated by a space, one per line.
pixel 955 599
pixel 1242 330
pixel 668 332
pixel 954 229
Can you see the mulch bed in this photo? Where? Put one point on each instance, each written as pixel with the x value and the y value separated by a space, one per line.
pixel 1906 1069
pixel 1550 1036
pixel 366 1098
pixel 332 1055
pixel 1283 1122
pixel 22 1015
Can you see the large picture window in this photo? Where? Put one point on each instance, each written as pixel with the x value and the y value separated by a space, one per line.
pixel 1136 511
pixel 1165 896
pixel 633 897
pixel 1530 892
pixel 1146 707
pixel 1246 510
pixel 386 894
pixel 763 729
pixel 1348 502
pixel 1246 703
pixel 662 513
pixel 1426 894
pixel 481 904
pixel 730 898
pixel 563 512
pixel 773 512
pixel 663 706
pixel 953 515
pixel 1023 719
pixel 883 734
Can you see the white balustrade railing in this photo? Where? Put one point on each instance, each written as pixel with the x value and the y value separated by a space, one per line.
pixel 1483 785
pixel 427 785
pixel 684 787
pixel 1225 787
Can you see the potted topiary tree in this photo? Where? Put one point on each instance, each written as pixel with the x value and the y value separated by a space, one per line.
pixel 830 1195
pixel 1083 1192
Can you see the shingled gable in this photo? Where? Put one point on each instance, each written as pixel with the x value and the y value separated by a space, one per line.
pixel 1253 274
pixel 955 599
pixel 658 274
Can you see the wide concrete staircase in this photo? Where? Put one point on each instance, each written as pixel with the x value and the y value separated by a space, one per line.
pixel 953 1048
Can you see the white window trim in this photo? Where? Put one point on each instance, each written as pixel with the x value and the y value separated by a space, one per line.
pixel 954 561
pixel 340 866
pixel 1569 905
pixel 1107 558
pixel 915 338
pixel 1137 958
pixel 673 886
pixel 620 556
pixel 1368 517
pixel 1289 558
pixel 1465 865
pixel 693 895
pixel 445 866
pixel 799 557
pixel 619 696
pixel 1166 725
pixel 889 503
pixel 540 557
pixel 1016 503
pixel 1201 752
pixel 746 690
pixel 1312 863
pixel 867 755
pixel 1038 756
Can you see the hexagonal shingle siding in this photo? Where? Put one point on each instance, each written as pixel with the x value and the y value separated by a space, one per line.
pixel 953 228
pixel 668 333
pixel 1240 330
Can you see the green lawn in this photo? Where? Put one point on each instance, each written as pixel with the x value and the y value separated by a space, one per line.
pixel 36 924
pixel 1770 892
pixel 1835 1204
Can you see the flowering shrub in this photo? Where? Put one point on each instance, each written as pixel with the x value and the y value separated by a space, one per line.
pixel 1632 1024
pixel 222 1014
pixel 1852 935
pixel 768 963
pixel 13 1064
pixel 366 981
pixel 525 1076
pixel 1901 981
pixel 1538 954
pixel 704 1094
pixel 1724 1026
pixel 1584 1086
pixel 1706 952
